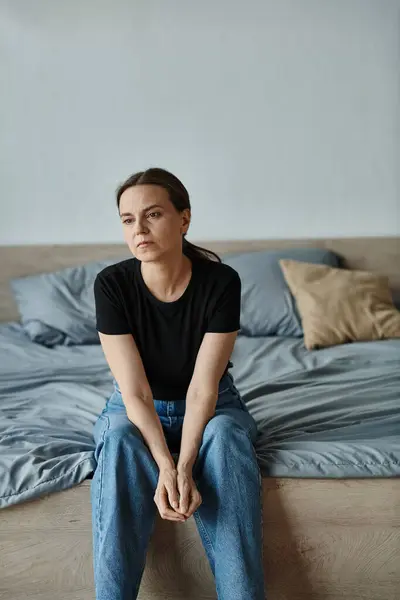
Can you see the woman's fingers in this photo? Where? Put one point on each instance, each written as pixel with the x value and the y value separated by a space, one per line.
pixel 184 488
pixel 194 504
pixel 177 496
pixel 172 493
pixel 190 498
pixel 164 509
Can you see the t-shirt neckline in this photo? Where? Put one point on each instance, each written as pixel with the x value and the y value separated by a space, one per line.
pixel 161 303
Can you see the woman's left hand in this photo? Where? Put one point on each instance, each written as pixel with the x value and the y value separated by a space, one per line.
pixel 190 498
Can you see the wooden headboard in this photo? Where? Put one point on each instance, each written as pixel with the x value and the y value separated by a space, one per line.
pixel 378 254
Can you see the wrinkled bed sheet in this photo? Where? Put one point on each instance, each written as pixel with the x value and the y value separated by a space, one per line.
pixel 328 413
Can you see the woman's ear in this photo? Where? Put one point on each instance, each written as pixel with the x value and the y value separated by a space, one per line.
pixel 185 222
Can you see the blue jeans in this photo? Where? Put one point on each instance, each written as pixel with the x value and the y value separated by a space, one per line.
pixel 226 473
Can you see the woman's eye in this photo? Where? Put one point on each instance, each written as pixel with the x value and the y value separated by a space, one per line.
pixel 127 221
pixel 154 214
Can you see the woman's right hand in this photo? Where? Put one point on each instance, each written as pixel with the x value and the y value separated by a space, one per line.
pixel 166 495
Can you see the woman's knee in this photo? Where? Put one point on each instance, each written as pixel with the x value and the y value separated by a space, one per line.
pixel 124 448
pixel 125 434
pixel 227 441
pixel 116 432
pixel 226 429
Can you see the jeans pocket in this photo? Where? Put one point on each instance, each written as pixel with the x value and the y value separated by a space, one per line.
pixel 115 402
pixel 228 398
pixel 225 384
pixel 116 386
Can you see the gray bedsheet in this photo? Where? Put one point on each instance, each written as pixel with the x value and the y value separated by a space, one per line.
pixel 327 413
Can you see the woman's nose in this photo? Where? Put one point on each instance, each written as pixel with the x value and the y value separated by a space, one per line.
pixel 139 227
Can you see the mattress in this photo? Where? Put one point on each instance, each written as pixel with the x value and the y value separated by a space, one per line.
pixel 332 413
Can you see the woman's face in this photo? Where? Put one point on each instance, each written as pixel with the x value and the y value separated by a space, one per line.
pixel 148 215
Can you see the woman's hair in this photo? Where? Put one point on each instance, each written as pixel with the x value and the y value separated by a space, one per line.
pixel 179 197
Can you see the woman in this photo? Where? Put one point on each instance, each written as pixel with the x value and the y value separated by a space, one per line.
pixel 167 321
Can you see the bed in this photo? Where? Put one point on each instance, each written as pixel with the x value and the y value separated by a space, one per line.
pixel 326 537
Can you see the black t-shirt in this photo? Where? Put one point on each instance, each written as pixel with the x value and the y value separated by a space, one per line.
pixel 168 334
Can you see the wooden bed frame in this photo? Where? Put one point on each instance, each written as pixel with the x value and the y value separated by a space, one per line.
pixel 323 539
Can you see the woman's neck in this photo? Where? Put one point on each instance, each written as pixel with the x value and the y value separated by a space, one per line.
pixel 168 279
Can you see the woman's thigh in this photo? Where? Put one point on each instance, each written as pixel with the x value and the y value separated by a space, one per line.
pixel 231 403
pixel 113 418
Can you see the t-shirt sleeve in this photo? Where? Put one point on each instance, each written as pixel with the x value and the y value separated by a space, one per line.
pixel 110 317
pixel 225 317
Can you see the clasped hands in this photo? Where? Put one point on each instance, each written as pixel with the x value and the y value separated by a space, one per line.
pixel 176 495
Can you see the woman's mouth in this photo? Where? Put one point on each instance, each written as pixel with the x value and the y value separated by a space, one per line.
pixel 144 244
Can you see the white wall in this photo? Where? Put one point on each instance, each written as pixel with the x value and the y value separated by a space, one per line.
pixel 281 118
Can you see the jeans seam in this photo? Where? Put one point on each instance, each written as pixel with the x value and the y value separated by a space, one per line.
pixel 224 390
pixel 248 432
pixel 99 497
pixel 262 514
pixel 261 496
pixel 204 530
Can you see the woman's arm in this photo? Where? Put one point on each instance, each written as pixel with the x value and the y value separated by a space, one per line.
pixel 202 394
pixel 126 365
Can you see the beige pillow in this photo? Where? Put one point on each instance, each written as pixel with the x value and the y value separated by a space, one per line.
pixel 339 305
